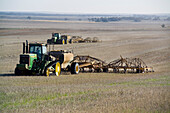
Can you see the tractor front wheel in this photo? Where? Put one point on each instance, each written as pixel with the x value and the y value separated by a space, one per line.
pixel 17 71
pixel 47 72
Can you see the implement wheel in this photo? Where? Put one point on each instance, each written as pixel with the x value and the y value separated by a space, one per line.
pixel 75 68
pixel 70 41
pixel 105 70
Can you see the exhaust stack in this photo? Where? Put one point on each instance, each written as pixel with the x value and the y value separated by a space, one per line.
pixel 23 47
pixel 26 46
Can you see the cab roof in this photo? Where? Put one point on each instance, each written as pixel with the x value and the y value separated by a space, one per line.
pixel 37 44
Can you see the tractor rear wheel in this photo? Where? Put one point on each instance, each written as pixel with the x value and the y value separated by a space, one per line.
pixel 57 69
pixel 55 65
pixel 66 41
pixel 75 68
pixel 21 72
pixel 63 41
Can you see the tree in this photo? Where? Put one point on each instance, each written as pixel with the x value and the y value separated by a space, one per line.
pixel 29 17
pixel 65 19
pixel 156 18
pixel 163 25
pixel 137 20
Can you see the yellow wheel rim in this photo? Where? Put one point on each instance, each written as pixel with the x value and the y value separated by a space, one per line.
pixel 57 69
pixel 77 69
pixel 48 72
pixel 63 42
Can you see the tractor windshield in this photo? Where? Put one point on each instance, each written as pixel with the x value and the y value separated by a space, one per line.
pixel 56 35
pixel 36 50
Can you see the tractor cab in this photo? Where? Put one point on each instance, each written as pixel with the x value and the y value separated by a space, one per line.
pixel 39 49
pixel 56 36
pixel 32 56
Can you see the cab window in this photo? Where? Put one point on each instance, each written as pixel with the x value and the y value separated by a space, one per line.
pixel 44 49
pixel 35 49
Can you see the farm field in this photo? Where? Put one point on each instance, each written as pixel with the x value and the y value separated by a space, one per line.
pixel 88 92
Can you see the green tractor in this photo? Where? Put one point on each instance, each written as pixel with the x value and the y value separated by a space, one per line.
pixel 57 38
pixel 37 60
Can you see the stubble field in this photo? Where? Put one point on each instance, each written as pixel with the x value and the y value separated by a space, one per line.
pixel 88 92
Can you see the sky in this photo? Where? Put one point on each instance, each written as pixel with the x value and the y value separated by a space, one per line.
pixel 87 6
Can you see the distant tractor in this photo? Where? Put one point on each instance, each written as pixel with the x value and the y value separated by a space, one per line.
pixel 36 60
pixel 57 38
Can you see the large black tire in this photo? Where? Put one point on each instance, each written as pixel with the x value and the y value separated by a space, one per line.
pixel 21 72
pixel 17 71
pixel 66 41
pixel 105 70
pixel 99 70
pixel 138 70
pixel 75 68
pixel 54 64
pixel 49 41
pixel 70 41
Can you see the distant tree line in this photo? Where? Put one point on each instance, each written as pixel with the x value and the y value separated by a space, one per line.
pixel 110 19
pixel 104 19
pixel 168 19
pixel 135 19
